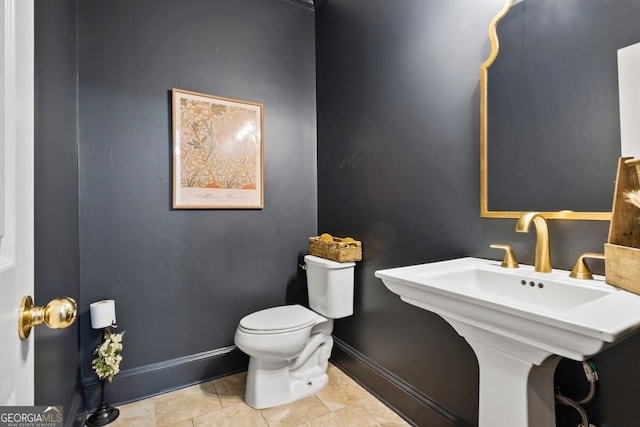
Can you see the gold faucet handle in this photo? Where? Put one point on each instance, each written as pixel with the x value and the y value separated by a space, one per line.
pixel 509 260
pixel 581 270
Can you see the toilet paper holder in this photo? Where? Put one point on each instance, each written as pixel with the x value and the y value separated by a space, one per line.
pixel 60 313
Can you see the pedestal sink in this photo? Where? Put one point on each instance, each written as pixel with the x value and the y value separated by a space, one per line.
pixel 519 323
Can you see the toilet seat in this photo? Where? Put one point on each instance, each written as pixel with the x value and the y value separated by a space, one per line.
pixel 277 320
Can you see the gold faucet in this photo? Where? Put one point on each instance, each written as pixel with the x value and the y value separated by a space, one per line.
pixel 542 260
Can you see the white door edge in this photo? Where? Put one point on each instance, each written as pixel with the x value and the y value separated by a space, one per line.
pixel 16 197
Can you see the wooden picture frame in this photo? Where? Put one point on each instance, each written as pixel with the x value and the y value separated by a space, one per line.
pixel 217 152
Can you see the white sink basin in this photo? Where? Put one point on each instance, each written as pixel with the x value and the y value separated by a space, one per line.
pixel 518 322
pixel 480 290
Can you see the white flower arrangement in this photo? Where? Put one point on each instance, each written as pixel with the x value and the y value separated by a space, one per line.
pixel 107 362
pixel 632 197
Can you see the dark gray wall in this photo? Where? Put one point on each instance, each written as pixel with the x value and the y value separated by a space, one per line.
pixel 182 279
pixel 57 355
pixel 398 150
pixel 397 168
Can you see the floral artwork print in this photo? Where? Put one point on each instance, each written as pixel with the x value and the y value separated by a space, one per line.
pixel 218 146
pixel 217 152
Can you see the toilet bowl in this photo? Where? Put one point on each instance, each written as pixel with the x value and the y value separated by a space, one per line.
pixel 278 333
pixel 289 346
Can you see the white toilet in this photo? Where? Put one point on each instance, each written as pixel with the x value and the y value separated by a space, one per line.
pixel 289 346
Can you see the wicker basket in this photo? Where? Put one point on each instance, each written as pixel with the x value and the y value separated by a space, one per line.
pixel 336 250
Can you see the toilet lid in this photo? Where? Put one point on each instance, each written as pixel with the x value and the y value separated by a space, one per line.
pixel 279 318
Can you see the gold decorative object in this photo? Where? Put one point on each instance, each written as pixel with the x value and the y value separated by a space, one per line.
pixel 581 269
pixel 60 313
pixel 543 258
pixel 509 260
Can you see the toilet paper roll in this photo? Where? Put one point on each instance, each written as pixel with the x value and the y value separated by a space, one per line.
pixel 103 313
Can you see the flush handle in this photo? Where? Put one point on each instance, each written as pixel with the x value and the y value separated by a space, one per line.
pixel 60 313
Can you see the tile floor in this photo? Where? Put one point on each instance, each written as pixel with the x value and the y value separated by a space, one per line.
pixel 342 402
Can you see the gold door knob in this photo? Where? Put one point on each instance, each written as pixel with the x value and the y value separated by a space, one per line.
pixel 60 313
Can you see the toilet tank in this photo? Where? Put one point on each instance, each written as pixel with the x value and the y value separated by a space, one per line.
pixel 330 286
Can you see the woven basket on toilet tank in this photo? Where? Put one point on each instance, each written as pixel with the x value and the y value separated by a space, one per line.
pixel 336 249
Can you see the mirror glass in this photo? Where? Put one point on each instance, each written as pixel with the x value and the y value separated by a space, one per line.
pixel 550 117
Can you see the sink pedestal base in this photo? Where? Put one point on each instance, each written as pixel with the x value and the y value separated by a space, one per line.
pixel 514 392
pixel 516 378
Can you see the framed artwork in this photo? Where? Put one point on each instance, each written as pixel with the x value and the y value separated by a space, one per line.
pixel 217 152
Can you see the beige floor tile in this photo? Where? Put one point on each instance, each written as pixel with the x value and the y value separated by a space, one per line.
pixel 349 416
pixel 341 391
pixel 141 413
pixel 185 404
pixel 232 416
pixel 381 413
pixel 342 402
pixel 295 413
pixel 231 389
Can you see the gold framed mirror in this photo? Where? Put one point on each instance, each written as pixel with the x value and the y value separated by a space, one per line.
pixel 488 207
